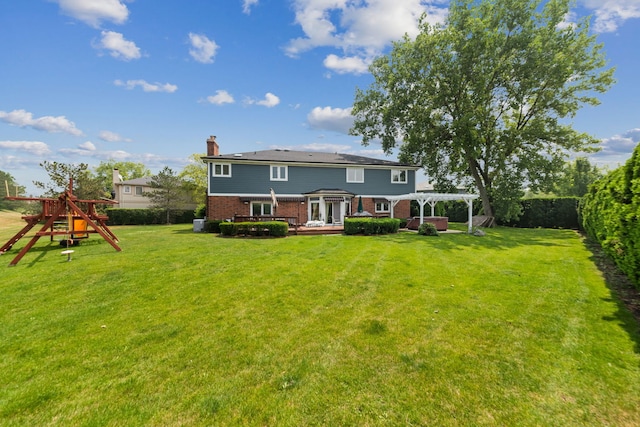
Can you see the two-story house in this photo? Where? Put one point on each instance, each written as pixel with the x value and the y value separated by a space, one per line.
pixel 306 185
pixel 130 193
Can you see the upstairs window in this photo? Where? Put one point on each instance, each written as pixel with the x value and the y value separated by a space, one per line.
pixel 399 176
pixel 127 189
pixel 279 173
pixel 355 175
pixel 221 169
pixel 138 191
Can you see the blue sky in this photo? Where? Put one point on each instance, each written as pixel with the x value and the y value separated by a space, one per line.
pixel 148 81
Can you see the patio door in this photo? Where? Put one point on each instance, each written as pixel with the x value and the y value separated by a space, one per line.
pixel 329 212
pixel 334 212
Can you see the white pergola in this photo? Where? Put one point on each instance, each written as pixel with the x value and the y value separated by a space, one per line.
pixel 432 199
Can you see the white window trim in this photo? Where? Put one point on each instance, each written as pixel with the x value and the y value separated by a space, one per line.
pixel 388 204
pixel 278 169
pixel 136 190
pixel 398 173
pixel 221 175
pixel 126 189
pixel 357 172
pixel 262 205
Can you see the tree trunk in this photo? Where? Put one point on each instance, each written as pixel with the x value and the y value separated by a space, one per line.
pixel 484 194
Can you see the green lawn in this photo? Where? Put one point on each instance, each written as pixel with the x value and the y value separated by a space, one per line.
pixel 516 328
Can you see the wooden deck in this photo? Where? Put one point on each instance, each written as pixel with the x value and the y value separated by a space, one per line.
pixel 311 231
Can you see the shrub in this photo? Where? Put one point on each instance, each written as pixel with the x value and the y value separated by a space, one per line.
pixel 369 226
pixel 212 226
pixel 427 229
pixel 259 228
pixel 200 211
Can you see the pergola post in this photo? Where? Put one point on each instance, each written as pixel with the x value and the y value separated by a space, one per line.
pixel 433 199
pixel 421 202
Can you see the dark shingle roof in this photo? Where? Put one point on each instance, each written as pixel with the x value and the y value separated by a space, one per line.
pixel 290 156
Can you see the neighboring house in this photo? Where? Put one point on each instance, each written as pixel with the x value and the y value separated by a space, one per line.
pixel 130 194
pixel 307 185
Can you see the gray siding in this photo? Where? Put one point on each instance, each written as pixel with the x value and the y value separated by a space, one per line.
pixel 255 179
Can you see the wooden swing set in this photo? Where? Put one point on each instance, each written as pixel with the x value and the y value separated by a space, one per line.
pixel 62 217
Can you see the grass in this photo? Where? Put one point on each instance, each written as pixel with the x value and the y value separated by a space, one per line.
pixel 515 328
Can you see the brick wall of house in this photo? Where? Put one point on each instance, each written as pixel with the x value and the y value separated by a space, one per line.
pixel 401 210
pixel 225 207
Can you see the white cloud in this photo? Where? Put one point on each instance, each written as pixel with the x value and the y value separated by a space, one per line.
pixel 92 12
pixel 118 47
pixel 616 150
pixel 202 49
pixel 109 136
pixel 270 100
pixel 22 118
pixel 88 146
pixel 147 87
pixel 221 97
pixel 32 147
pixel 247 4
pixel 334 119
pixel 620 144
pixel 326 148
pixel 610 14
pixel 314 146
pixel 351 64
pixel 361 29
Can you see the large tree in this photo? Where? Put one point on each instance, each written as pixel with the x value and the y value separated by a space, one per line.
pixel 86 186
pixel 167 192
pixel 487 97
pixel 194 176
pixel 127 170
pixel 576 177
pixel 7 181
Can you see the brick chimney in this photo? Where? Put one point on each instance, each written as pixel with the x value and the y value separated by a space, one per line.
pixel 212 146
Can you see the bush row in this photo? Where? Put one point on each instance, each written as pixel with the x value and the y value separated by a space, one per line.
pixel 266 228
pixel 548 212
pixel 610 214
pixel 558 212
pixel 368 226
pixel 120 216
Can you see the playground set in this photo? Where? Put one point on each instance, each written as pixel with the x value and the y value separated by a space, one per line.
pixel 63 217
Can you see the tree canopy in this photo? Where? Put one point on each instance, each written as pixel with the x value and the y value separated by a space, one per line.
pixel 128 170
pixel 486 98
pixel 7 180
pixel 194 176
pixel 576 177
pixel 167 192
pixel 86 185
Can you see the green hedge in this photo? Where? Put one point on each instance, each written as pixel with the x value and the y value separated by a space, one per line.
pixel 610 214
pixel 548 212
pixel 368 226
pixel 120 216
pixel 259 228
pixel 212 226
